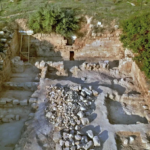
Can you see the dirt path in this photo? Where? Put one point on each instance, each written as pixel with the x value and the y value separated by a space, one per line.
pixel 17 14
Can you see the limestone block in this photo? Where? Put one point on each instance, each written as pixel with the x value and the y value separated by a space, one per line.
pixel 96 141
pixel 8 106
pixel 10 116
pixel 88 145
pixel 83 66
pixel 125 65
pixel 77 137
pixel 41 137
pixel 35 94
pixel 32 100
pixel 34 105
pixel 37 64
pixel 131 139
pixel 15 102
pixel 61 142
pixel 1 32
pixel 95 93
pixel 125 142
pixel 42 64
pixel 87 91
pixel 3 101
pixel 85 121
pixel 90 134
pixel 58 147
pixel 56 136
pixel 24 102
pixel 74 70
pixel 48 115
pixel 5 120
pixel 17 117
pixel 9 100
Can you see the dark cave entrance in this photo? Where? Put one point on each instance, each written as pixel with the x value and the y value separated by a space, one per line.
pixel 71 55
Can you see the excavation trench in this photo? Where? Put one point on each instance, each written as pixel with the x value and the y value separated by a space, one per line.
pixel 117 115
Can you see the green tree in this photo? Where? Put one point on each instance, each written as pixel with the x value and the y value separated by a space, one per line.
pixel 136 36
pixel 53 19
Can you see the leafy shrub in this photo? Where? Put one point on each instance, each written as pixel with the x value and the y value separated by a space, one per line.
pixel 53 19
pixel 136 36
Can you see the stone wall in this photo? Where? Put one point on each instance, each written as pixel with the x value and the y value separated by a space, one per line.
pixel 128 67
pixel 15 43
pixel 105 47
pixel 46 45
pixel 11 50
pixel 139 77
pixel 53 45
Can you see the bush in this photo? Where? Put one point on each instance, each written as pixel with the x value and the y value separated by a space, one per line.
pixel 136 36
pixel 53 19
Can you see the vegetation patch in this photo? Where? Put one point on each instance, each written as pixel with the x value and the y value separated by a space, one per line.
pixel 53 19
pixel 136 36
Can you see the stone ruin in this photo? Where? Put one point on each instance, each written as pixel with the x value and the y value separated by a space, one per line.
pixel 93 104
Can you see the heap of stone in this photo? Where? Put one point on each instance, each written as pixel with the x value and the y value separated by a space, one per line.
pixel 59 66
pixel 68 110
pixel 74 140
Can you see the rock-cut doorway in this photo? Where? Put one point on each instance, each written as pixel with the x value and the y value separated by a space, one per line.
pixel 71 55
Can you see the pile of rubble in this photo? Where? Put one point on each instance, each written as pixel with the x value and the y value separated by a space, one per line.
pixel 11 102
pixel 101 65
pixel 72 140
pixel 51 66
pixel 59 66
pixel 69 110
pixel 9 118
pixel 95 66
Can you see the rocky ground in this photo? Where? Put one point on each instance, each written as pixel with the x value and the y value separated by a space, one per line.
pixel 80 105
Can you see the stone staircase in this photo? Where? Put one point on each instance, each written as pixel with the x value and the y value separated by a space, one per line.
pixel 16 105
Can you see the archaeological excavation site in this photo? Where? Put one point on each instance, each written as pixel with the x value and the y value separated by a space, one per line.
pixel 71 93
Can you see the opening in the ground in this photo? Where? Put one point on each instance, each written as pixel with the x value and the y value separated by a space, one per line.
pixel 117 115
pixel 71 55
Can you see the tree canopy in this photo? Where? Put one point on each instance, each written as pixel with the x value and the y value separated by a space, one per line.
pixel 136 36
pixel 53 19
